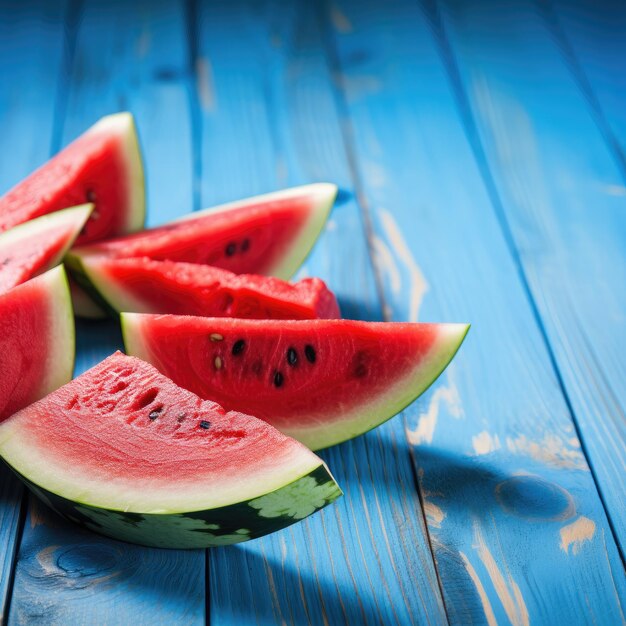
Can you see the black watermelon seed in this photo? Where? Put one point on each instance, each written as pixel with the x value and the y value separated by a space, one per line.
pixel 360 370
pixel 204 424
pixel 231 248
pixel 292 356
pixel 278 379
pixel 154 414
pixel 309 352
pixel 238 346
pixel 245 245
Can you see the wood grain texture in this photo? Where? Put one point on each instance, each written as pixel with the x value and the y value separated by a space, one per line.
pixel 121 57
pixel 519 531
pixel 556 176
pixel 26 125
pixel 591 35
pixel 269 119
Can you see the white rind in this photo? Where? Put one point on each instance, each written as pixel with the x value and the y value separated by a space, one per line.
pixel 133 338
pixel 397 397
pixel 361 418
pixel 166 495
pixel 322 196
pixel 118 298
pixel 74 218
pixel 61 339
pixel 123 125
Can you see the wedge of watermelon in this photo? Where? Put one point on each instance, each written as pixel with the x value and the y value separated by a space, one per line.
pixel 144 285
pixel 103 166
pixel 319 381
pixel 270 234
pixel 34 247
pixel 36 340
pixel 125 452
pixel 84 306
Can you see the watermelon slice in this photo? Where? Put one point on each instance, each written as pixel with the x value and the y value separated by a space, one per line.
pixel 37 246
pixel 144 285
pixel 84 306
pixel 270 234
pixel 103 166
pixel 124 451
pixel 319 381
pixel 36 340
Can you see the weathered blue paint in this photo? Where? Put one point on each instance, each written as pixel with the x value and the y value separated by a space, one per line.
pixel 563 195
pixel 469 151
pixel 513 512
pixel 366 558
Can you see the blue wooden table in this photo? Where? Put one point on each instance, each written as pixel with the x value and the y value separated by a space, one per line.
pixel 480 148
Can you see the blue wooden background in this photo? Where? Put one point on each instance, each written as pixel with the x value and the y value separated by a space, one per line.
pixel 480 151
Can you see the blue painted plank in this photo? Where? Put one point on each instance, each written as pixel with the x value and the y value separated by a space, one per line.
pixel 591 35
pixel 125 57
pixel 556 176
pixel 519 531
pixel 269 119
pixel 136 58
pixel 26 122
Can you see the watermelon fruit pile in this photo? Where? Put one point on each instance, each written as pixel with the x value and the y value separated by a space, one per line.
pixel 205 433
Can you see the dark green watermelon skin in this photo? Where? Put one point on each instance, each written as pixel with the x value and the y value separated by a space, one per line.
pixel 202 529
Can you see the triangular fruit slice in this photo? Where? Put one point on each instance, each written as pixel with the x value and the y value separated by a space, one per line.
pixel 36 340
pixel 37 246
pixel 320 381
pixel 146 286
pixel 270 234
pixel 103 166
pixel 84 306
pixel 126 452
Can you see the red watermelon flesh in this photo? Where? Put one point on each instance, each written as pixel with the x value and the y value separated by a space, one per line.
pixel 36 340
pixel 320 381
pixel 128 453
pixel 144 285
pixel 269 234
pixel 34 247
pixel 103 166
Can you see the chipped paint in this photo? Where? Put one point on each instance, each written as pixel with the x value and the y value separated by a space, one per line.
pixel 576 533
pixel 484 443
pixel 339 20
pixel 427 422
pixel 206 86
pixel 434 514
pixel 46 560
pixel 387 264
pixel 507 589
pixel 615 190
pixel 551 450
pixel 144 42
pixel 480 589
pixel 36 515
pixel 419 286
